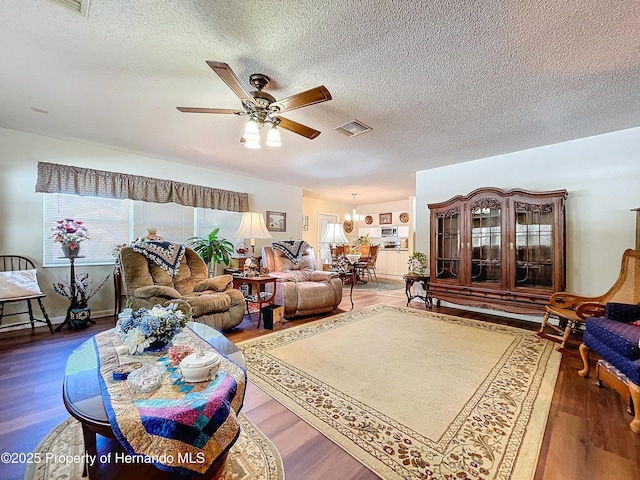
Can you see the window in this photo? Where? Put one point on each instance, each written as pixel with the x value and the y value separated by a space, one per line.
pixel 112 222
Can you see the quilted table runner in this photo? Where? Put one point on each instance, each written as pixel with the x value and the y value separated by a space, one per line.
pixel 180 427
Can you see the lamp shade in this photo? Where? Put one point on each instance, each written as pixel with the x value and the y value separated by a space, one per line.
pixel 252 226
pixel 273 138
pixel 251 131
pixel 334 234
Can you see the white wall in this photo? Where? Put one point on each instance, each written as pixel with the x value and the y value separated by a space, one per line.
pixel 22 219
pixel 312 207
pixel 602 176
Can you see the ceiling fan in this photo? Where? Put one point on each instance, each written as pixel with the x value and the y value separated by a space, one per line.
pixel 262 108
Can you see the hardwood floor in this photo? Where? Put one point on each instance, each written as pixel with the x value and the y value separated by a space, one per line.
pixel 587 434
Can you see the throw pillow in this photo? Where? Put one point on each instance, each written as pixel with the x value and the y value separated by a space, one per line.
pixel 21 283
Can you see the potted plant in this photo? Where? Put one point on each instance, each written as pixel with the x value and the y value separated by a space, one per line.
pixel 418 264
pixel 212 250
pixel 364 243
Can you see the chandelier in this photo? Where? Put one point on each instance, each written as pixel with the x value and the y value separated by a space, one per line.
pixel 354 216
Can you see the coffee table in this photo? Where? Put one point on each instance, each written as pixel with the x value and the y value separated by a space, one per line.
pixel 82 396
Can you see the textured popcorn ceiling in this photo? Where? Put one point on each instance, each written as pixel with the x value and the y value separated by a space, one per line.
pixel 440 82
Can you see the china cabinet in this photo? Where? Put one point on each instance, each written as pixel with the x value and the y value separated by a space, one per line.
pixel 503 250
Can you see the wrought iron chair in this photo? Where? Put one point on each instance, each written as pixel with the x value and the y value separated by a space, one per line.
pixel 571 310
pixel 18 283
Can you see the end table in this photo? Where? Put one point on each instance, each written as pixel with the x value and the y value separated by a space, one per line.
pixel 260 296
pixel 348 275
pixel 409 280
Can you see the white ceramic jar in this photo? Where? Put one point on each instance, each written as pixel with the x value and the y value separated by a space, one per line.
pixel 199 366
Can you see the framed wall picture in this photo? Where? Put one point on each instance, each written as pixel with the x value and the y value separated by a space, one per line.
pixel 305 223
pixel 386 218
pixel 276 221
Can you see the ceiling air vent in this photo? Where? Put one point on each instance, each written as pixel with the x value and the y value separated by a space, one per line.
pixel 353 128
pixel 80 6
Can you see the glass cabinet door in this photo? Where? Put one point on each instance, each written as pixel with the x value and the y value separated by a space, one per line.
pixel 486 242
pixel 534 245
pixel 447 246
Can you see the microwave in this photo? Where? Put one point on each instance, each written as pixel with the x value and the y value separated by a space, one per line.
pixel 389 231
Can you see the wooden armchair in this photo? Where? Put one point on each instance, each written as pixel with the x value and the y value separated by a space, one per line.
pixel 571 309
pixel 368 266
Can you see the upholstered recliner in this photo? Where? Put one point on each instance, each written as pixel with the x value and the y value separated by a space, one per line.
pixel 213 301
pixel 613 335
pixel 301 288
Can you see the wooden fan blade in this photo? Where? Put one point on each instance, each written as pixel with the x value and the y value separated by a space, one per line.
pixel 298 128
pixel 315 95
pixel 211 110
pixel 226 74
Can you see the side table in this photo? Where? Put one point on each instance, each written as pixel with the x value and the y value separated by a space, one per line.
pixel 260 296
pixel 349 275
pixel 409 280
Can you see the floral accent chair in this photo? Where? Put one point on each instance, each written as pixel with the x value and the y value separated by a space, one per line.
pixel 213 301
pixel 614 334
pixel 301 287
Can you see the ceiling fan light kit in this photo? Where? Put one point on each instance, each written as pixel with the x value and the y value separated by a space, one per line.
pixel 273 138
pixel 262 108
pixel 251 131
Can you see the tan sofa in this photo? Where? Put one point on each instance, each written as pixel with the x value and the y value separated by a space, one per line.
pixel 301 288
pixel 213 301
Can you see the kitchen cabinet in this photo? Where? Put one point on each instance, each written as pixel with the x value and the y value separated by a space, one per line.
pixel 403 231
pixel 373 232
pixel 392 262
pixel 498 249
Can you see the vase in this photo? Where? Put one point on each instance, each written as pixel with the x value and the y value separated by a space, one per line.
pixel 79 316
pixel 152 235
pixel 159 346
pixel 71 250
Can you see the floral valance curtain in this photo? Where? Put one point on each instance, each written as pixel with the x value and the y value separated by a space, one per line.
pixel 54 178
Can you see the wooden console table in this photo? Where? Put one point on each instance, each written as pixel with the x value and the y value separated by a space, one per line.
pixel 409 280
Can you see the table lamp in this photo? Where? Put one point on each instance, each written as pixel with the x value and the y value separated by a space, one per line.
pixel 334 234
pixel 252 226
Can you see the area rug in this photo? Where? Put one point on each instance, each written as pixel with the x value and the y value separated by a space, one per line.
pixel 383 284
pixel 252 457
pixel 415 394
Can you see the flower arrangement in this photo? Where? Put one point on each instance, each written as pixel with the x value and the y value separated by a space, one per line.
pixel 69 232
pixel 144 327
pixel 364 240
pixel 115 251
pixel 80 294
pixel 418 263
